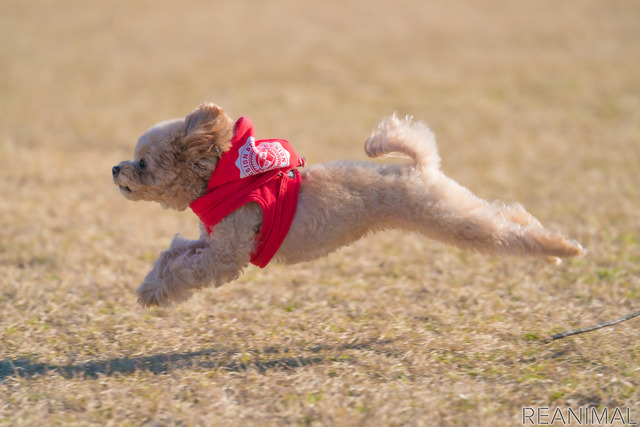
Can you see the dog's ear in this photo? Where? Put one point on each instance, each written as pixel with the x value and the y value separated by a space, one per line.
pixel 208 132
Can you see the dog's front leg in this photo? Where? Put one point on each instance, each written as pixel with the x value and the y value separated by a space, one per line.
pixel 168 281
pixel 213 260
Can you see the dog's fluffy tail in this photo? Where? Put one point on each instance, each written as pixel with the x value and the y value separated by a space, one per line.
pixel 413 139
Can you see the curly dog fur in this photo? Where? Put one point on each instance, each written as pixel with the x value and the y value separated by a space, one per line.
pixel 338 203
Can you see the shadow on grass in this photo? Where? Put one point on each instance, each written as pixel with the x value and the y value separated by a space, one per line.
pixel 218 359
pixel 156 364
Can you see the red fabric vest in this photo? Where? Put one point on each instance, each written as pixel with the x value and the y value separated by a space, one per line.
pixel 262 171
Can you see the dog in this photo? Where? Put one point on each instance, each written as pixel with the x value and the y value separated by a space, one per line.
pixel 203 161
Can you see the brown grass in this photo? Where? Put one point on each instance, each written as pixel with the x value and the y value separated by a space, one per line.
pixel 531 101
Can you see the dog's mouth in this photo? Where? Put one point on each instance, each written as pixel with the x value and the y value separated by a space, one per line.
pixel 125 189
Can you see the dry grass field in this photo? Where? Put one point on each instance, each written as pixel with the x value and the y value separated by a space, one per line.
pixel 536 102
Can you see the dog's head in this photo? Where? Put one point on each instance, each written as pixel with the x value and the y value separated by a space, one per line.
pixel 173 161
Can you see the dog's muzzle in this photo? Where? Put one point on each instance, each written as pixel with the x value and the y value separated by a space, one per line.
pixel 115 171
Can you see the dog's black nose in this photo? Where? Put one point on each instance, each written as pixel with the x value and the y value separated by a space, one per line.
pixel 115 170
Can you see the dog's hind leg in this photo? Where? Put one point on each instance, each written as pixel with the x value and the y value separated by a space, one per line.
pixel 451 213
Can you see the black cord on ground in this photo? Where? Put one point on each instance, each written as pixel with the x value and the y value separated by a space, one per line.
pixel 598 326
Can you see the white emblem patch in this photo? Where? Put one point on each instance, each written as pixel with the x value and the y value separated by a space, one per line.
pixel 254 159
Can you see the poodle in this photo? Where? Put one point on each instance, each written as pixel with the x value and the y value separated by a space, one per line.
pixel 256 205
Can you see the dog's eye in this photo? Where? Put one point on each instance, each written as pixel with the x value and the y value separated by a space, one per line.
pixel 143 164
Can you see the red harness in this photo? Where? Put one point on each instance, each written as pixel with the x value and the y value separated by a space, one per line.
pixel 262 171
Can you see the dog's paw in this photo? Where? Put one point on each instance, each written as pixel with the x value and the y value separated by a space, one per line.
pixel 150 293
pixel 161 293
pixel 553 260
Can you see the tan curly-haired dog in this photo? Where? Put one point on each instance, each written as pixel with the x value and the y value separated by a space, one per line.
pixel 337 204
